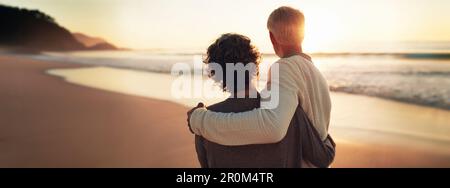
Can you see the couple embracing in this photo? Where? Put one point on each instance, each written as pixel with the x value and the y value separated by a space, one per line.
pixel 240 132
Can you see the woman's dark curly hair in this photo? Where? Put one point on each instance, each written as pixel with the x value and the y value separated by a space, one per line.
pixel 233 48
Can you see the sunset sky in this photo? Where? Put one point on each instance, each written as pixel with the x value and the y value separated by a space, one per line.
pixel 193 24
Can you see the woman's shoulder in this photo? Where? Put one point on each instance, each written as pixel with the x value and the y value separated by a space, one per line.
pixel 236 105
pixel 217 106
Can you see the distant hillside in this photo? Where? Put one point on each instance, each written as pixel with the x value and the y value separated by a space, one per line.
pixel 103 46
pixel 88 40
pixel 35 30
pixel 94 43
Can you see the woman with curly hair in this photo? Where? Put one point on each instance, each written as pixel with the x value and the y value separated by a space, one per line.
pixel 231 49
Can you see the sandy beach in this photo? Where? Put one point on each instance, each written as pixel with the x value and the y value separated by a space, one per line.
pixel 48 122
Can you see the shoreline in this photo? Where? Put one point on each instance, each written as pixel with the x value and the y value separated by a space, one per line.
pixel 403 101
pixel 53 123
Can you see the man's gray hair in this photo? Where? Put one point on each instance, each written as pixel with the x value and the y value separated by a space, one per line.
pixel 287 25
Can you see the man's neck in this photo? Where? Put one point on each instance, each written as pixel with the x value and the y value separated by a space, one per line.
pixel 289 51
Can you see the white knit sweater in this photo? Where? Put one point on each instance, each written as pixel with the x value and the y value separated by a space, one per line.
pixel 299 81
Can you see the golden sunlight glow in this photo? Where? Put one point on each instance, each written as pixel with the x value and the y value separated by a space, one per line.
pixel 177 24
pixel 320 31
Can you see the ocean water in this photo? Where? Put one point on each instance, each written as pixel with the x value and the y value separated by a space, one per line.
pixel 423 81
pixel 419 78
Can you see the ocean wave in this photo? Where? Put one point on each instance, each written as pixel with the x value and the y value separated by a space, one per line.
pixel 404 55
pixel 154 64
pixel 438 98
pixel 444 73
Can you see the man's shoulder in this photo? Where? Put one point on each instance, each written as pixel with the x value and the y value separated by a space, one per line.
pixel 296 60
pixel 288 66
